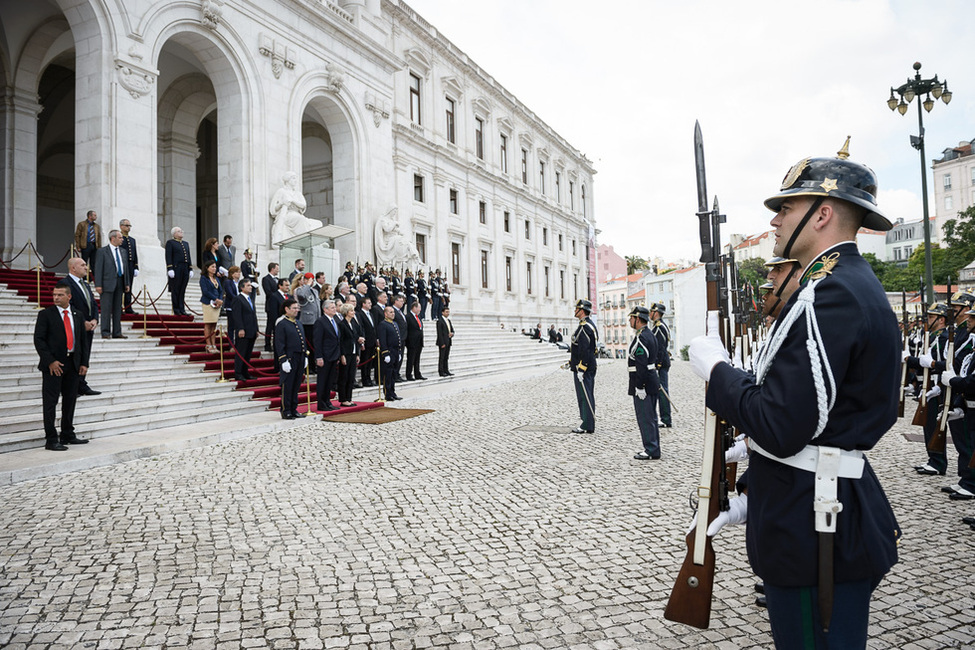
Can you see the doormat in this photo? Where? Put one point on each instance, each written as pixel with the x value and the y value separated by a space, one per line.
pixel 376 416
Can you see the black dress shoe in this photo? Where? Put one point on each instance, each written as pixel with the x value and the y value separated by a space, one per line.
pixel 928 471
pixel 287 416
pixel 421 378
pixel 297 415
pixel 760 587
pixel 119 336
pixel 89 391
pixel 950 489
pixel 329 407
pixel 969 520
pixel 645 456
pixel 56 447
pixel 450 374
pixel 74 441
pixel 760 601
pixel 961 496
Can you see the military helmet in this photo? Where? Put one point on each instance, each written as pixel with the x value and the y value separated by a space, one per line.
pixel 838 178
pixel 768 286
pixel 658 307
pixel 776 261
pixel 963 298
pixel 641 312
pixel 584 305
pixel 938 309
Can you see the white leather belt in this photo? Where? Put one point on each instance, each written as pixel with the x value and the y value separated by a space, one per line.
pixel 970 403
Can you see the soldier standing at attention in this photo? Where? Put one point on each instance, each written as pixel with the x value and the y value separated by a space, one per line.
pixel 821 533
pixel 583 360
pixel 662 334
pixel 644 385
pixel 291 348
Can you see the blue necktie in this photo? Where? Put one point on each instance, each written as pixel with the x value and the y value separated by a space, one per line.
pixel 335 326
pixel 91 233
pixel 118 262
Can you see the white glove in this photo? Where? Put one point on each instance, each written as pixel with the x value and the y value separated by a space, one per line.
pixel 904 355
pixel 947 375
pixel 641 393
pixel 135 273
pixel 956 414
pixel 737 513
pixel 192 274
pixel 926 360
pixel 737 361
pixel 737 452
pixel 286 366
pixel 707 351
pixel 934 392
pixel 171 273
pixel 386 359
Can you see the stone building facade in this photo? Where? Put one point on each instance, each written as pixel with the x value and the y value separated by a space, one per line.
pixel 190 113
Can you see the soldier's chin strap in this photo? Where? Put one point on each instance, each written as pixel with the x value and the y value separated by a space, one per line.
pixel 802 224
pixel 785 281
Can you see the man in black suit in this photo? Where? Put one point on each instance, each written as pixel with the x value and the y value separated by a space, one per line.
pixel 270 285
pixel 60 341
pixel 325 337
pixel 226 252
pixel 369 321
pixel 82 299
pixel 401 323
pixel 445 337
pixel 390 342
pixel 290 348
pixel 130 256
pixel 243 322
pixel 274 304
pixel 111 283
pixel 414 343
pixel 179 265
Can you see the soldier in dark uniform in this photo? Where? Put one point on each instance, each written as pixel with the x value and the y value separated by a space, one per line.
pixel 179 269
pixel 662 333
pixel 583 360
pixel 390 341
pixel 644 385
pixel 436 294
pixel 933 359
pixel 409 288
pixel 349 274
pixel 248 271
pixel 824 390
pixel 290 349
pixel 131 262
pixel 421 294
pixel 961 378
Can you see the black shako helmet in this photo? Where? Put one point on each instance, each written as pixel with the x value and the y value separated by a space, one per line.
pixel 838 178
pixel 659 308
pixel 641 312
pixel 584 305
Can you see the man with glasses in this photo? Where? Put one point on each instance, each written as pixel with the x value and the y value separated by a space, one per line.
pixel 130 255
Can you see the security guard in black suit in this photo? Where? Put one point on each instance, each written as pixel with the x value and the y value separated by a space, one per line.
pixel 583 360
pixel 390 341
pixel 82 299
pixel 179 269
pixel 290 349
pixel 820 531
pixel 662 334
pixel 644 385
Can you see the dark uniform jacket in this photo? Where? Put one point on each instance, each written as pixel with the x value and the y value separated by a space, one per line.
pixel 130 257
pixel 390 340
pixel 52 344
pixel 641 362
pixel 242 316
pixel 662 334
pixel 289 342
pixel 862 345
pixel 583 348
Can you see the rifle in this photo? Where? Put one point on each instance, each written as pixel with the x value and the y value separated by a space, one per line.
pixel 921 414
pixel 690 598
pixel 900 405
pixel 939 438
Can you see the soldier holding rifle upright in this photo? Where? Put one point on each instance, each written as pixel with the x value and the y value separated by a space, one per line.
pixel 932 360
pixel 821 533
pixel 583 365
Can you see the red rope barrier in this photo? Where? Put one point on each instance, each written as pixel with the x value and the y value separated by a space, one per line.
pixel 36 252
pixel 7 263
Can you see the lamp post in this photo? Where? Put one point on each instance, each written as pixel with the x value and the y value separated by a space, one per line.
pixel 908 91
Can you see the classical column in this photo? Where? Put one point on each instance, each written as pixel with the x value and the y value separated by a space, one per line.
pixel 18 118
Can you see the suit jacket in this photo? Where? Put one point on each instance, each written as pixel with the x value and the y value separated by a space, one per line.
pixel 208 292
pixel 82 298
pixel 368 327
pixel 270 285
pixel 230 291
pixel 242 316
pixel 130 256
pixel 401 324
pixel 389 340
pixel 444 330
pixel 414 330
pixel 326 339
pixel 81 235
pixel 273 303
pixel 225 256
pixel 52 344
pixel 349 341
pixel 106 270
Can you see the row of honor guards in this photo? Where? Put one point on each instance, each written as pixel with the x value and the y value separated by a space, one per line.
pixel 432 290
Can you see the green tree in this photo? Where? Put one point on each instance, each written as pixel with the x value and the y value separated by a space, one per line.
pixel 960 236
pixel 635 263
pixel 753 271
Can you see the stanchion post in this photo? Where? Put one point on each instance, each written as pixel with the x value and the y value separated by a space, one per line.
pixel 145 309
pixel 379 375
pixel 30 259
pixel 222 380
pixel 39 284
pixel 308 378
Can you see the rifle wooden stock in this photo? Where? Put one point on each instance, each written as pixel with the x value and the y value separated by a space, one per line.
pixel 921 414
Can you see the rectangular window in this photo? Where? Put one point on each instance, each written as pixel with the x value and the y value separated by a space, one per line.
pixel 949 202
pixel 573 247
pixel 507 273
pixel 484 269
pixel 575 283
pixel 504 154
pixel 507 221
pixel 453 201
pixel 562 285
pixel 973 175
pixel 482 211
pixel 524 166
pixel 583 197
pixel 544 236
pixel 541 177
pixel 560 242
pixel 455 263
pixel 479 137
pixel 415 98
pixel 418 188
pixel 558 187
pixel 528 276
pixel 421 247
pixel 528 229
pixel 546 281
pixel 572 195
pixel 947 181
pixel 451 132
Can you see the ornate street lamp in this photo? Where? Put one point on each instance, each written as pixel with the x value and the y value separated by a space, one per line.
pixel 916 88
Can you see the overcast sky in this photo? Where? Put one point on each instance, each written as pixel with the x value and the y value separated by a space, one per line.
pixel 770 82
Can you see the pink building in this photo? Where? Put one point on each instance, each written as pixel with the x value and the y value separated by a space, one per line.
pixel 608 264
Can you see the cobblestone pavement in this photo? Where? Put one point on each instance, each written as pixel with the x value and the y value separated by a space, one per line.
pixel 476 526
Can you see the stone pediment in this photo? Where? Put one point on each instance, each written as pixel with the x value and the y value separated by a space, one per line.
pixel 452 87
pixel 418 61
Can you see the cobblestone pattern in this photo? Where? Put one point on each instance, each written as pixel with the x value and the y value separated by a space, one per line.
pixel 474 527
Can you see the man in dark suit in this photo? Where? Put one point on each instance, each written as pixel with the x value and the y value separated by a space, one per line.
pixel 83 300
pixel 243 322
pixel 445 337
pixel 111 283
pixel 289 349
pixel 325 336
pixel 401 323
pixel 60 341
pixel 226 252
pixel 130 257
pixel 414 343
pixel 270 285
pixel 179 269
pixel 369 321
pixel 274 306
pixel 298 270
pixel 390 342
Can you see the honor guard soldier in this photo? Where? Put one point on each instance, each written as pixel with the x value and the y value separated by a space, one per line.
pixel 390 341
pixel 290 348
pixel 583 360
pixel 933 359
pixel 421 294
pixel 962 382
pixel 662 334
pixel 179 269
pixel 644 385
pixel 248 270
pixel 821 533
pixel 409 288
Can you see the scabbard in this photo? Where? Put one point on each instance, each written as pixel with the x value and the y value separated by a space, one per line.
pixel 825 579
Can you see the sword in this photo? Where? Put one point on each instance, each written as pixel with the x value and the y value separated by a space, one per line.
pixel 670 401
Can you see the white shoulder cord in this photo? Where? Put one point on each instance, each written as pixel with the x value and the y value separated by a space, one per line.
pixel 818 361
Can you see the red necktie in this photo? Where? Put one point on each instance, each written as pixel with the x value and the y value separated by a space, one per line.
pixel 68 331
pixel 418 321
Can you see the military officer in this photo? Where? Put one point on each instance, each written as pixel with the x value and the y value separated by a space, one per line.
pixel 179 269
pixel 933 359
pixel 421 294
pixel 248 270
pixel 824 393
pixel 644 384
pixel 290 348
pixel 961 378
pixel 583 360
pixel 390 340
pixel 662 334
